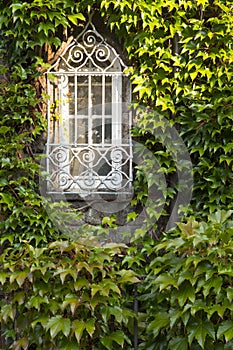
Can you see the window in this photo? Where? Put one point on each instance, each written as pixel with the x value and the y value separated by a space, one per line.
pixel 89 148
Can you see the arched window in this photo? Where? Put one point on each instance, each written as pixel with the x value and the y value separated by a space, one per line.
pixel 89 145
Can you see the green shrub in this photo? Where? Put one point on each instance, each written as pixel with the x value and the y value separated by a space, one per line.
pixel 188 291
pixel 65 296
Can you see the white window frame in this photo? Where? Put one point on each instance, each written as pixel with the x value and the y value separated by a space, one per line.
pixel 60 147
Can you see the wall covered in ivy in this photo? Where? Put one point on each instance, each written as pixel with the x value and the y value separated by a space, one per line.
pixel 58 292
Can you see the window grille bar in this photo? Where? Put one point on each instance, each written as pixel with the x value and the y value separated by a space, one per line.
pixel 102 162
pixel 90 108
pixel 103 110
pixel 75 110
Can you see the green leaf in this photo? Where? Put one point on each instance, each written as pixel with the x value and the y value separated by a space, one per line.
pixel 161 320
pixel 4 129
pixel 72 301
pixel 213 282
pixel 225 329
pixel 19 276
pixel 178 343
pixel 7 199
pixel 21 343
pixel 3 277
pixel 107 342
pixel 58 324
pixel 90 327
pixel 186 291
pixel 118 337
pixel 230 293
pixel 46 27
pixel 38 302
pixel 199 331
pixel 165 280
pixel 78 327
pixel 43 320
pixel 74 18
pixel 127 276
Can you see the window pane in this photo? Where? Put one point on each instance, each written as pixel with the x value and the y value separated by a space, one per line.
pixel 97 130
pixel 82 95
pixel 71 96
pixel 108 96
pixel 108 130
pixel 81 134
pixel 82 131
pixel 96 94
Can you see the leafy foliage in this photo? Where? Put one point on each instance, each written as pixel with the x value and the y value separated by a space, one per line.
pixel 188 289
pixel 182 67
pixel 64 295
pixel 59 293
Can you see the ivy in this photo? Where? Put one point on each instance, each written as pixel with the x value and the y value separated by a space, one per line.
pixel 75 296
pixel 190 286
pixel 57 293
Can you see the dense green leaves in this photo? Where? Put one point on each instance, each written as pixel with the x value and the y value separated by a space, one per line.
pixel 192 291
pixel 54 310
pixel 57 293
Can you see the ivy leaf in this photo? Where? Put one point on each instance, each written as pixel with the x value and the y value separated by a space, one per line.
pixel 162 320
pixel 90 327
pixel 21 343
pixel 74 18
pixel 165 280
pixel 46 27
pixel 4 129
pixel 107 342
pixel 19 276
pixel 78 327
pixel 178 343
pixel 230 293
pixel 213 282
pixel 199 331
pixel 3 277
pixel 127 276
pixel 117 336
pixel 186 291
pixel 225 329
pixel 58 324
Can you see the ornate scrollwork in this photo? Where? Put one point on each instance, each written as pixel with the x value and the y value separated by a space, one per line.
pixel 89 49
pixel 116 155
pixel 89 38
pixel 88 156
pixel 102 53
pixel 89 160
pixel 58 156
pixel 76 54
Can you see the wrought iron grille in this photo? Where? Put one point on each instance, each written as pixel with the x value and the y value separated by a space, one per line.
pixel 89 146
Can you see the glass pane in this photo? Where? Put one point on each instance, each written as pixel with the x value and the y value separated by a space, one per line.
pixel 76 167
pixel 71 131
pixel 82 131
pixel 108 130
pixel 108 96
pixel 96 94
pixel 103 168
pixel 81 134
pixel 97 130
pixel 71 96
pixel 82 95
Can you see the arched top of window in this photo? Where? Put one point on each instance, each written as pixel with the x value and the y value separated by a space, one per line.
pixel 89 52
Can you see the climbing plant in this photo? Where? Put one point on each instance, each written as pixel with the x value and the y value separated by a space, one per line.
pixel 180 63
